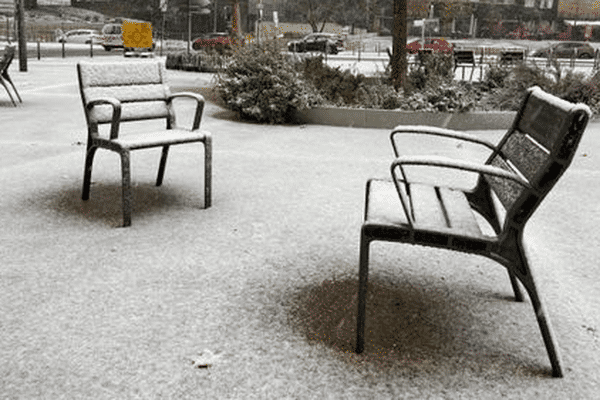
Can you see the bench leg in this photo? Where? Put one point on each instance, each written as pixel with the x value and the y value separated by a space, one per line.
pixel 87 171
pixel 207 172
pixel 541 315
pixel 13 86
pixel 126 182
pixel 515 286
pixel 8 91
pixel 547 333
pixel 161 167
pixel 363 275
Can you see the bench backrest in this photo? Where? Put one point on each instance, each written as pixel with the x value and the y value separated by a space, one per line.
pixel 512 57
pixel 464 57
pixel 539 147
pixel 139 86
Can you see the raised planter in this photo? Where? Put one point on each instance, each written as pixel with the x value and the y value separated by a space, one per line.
pixel 388 119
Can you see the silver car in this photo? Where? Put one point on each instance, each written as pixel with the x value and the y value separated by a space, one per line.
pixel 85 36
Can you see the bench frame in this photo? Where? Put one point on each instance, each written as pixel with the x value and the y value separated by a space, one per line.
pixel 124 81
pixel 518 174
pixel 9 55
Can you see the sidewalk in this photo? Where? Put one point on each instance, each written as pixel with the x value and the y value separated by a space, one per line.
pixel 263 282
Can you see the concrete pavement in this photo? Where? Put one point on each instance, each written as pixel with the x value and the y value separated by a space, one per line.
pixel 264 280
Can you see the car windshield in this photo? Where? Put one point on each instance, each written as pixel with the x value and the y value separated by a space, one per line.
pixel 112 29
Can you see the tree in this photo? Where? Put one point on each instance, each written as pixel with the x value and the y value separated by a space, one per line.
pixel 316 12
pixel 398 61
pixel 355 12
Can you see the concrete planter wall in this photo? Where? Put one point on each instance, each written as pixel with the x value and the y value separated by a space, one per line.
pixel 387 119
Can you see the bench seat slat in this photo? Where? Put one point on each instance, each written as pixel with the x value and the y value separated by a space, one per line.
pixel 158 138
pixel 427 207
pixel 384 206
pixel 460 214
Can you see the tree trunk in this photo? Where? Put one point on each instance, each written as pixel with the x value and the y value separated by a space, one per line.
pixel 399 62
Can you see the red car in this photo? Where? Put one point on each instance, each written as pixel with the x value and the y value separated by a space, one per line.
pixel 435 45
pixel 214 40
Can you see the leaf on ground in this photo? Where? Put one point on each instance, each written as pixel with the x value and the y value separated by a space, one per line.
pixel 204 359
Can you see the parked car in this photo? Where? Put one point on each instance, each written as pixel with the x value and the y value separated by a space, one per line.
pixel 86 36
pixel 432 44
pixel 216 40
pixel 330 43
pixel 566 50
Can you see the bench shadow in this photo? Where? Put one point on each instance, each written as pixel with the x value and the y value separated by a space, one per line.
pixel 7 103
pixel 105 202
pixel 426 330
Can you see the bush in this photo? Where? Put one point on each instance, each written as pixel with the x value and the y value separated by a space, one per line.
pixel 262 85
pixel 574 87
pixel 196 61
pixel 335 86
pixel 495 77
pixel 433 70
pixel 443 98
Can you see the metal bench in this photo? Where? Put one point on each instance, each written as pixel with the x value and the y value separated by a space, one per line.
pixel 113 93
pixel 511 184
pixel 464 59
pixel 512 57
pixel 7 57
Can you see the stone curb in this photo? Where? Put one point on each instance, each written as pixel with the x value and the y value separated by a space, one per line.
pixel 388 119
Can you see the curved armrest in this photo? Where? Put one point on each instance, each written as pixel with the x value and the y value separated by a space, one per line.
pixel 199 105
pixel 432 130
pixel 116 115
pixel 446 162
pixel 443 162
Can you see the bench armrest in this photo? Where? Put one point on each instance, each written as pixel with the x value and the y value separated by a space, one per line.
pixel 199 105
pixel 116 115
pixel 432 130
pixel 401 182
pixel 445 162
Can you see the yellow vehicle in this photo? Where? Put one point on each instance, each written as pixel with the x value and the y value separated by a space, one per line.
pixel 112 36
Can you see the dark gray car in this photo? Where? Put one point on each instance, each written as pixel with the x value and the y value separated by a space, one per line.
pixel 325 42
pixel 567 50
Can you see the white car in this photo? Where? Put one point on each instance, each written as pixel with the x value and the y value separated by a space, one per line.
pixel 85 36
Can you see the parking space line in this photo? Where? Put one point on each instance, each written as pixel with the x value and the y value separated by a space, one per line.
pixel 39 89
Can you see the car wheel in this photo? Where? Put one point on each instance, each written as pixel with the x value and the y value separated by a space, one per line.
pixel 107 48
pixel 586 56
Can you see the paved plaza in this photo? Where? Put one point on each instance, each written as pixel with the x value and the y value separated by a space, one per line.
pixel 263 283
